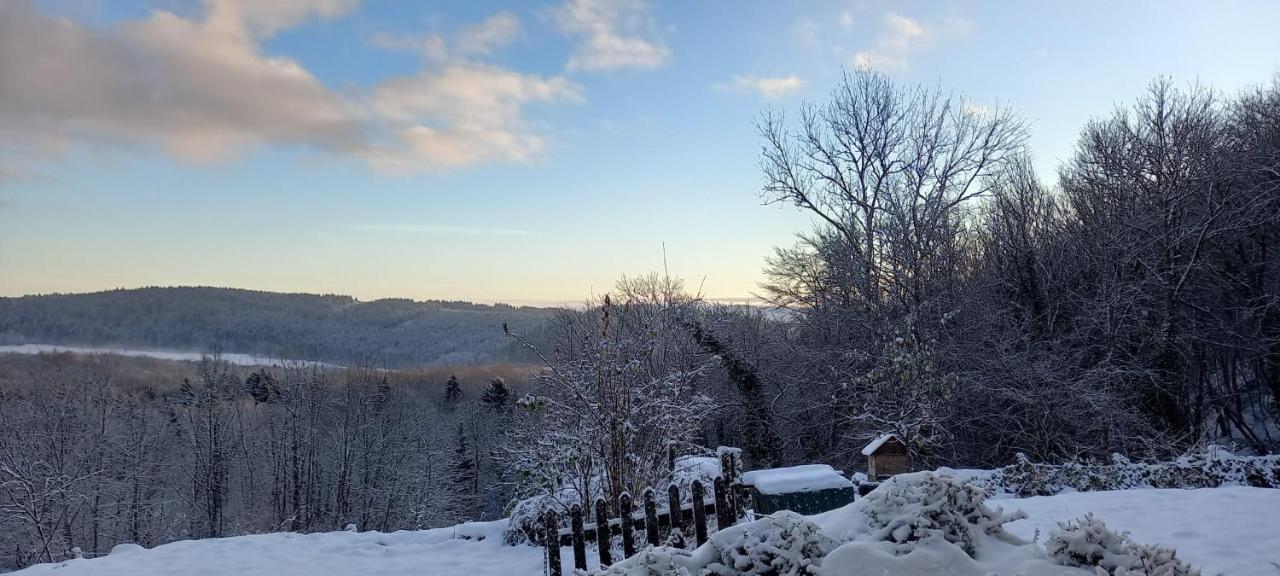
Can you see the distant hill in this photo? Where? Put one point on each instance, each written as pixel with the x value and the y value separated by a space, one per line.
pixel 330 328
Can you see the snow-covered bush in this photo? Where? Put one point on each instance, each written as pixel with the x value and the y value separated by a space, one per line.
pixel 784 544
pixel 913 507
pixel 1088 543
pixel 526 520
pixel 660 561
pixel 1213 467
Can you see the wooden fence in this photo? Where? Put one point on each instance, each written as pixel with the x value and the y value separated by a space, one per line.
pixel 727 504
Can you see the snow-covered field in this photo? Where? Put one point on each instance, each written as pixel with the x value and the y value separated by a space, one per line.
pixel 1229 530
pixel 237 359
pixel 1232 531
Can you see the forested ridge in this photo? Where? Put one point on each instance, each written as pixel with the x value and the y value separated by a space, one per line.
pixel 332 328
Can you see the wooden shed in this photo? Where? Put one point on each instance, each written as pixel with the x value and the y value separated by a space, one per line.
pixel 886 456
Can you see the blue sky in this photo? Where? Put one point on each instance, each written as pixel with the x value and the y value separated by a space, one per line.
pixel 498 151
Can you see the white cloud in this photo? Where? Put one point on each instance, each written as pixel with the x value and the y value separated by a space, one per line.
pixel 611 34
pixel 477 40
pixel 767 88
pixel 263 18
pixel 465 114
pixel 900 39
pixel 496 32
pixel 846 20
pixel 203 89
pixel 805 32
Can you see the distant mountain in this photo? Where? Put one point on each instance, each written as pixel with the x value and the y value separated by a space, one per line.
pixel 330 328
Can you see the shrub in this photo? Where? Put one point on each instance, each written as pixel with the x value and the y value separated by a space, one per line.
pixel 784 544
pixel 914 507
pixel 1088 543
pixel 660 561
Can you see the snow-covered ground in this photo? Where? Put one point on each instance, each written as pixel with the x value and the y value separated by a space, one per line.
pixel 1232 531
pixel 231 358
pixel 1229 530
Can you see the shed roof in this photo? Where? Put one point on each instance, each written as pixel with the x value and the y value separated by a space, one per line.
pixel 871 448
pixel 806 478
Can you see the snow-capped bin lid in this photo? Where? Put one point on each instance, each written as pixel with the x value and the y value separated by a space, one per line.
pixel 871 448
pixel 796 479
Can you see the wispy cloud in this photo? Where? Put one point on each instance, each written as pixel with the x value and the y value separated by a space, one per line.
pixel 481 39
pixel 441 230
pixel 847 20
pixel 901 39
pixel 767 88
pixel 612 34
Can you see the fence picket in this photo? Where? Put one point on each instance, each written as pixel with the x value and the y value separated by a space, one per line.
pixel 675 515
pixel 602 532
pixel 625 509
pixel 650 517
pixel 699 513
pixel 579 542
pixel 552 525
pixel 724 515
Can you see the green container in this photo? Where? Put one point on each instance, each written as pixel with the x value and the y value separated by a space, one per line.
pixel 804 489
pixel 815 502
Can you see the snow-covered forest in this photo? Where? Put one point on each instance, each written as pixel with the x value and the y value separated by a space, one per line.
pixel 391 332
pixel 947 293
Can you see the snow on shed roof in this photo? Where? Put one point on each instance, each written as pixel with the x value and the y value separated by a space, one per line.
pixel 871 448
pixel 806 478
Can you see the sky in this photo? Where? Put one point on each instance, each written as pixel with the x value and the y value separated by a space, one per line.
pixel 523 152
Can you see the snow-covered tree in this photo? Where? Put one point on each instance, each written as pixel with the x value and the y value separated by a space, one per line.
pixel 622 384
pixel 497 397
pixel 452 394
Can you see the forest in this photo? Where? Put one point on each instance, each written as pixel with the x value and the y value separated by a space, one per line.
pixel 328 328
pixel 1129 303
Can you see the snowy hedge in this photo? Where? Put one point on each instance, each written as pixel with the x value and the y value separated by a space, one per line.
pixel 1214 467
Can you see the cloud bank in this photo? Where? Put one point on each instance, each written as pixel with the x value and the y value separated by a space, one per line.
pixel 203 89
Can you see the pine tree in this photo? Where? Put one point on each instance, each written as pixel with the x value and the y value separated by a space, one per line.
pixel 452 393
pixel 464 501
pixel 497 397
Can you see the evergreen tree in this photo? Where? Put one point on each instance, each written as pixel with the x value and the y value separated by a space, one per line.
pixel 464 502
pixel 452 393
pixel 497 396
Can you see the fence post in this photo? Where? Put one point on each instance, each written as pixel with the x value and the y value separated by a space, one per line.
pixel 724 516
pixel 602 532
pixel 699 513
pixel 579 541
pixel 552 525
pixel 628 523
pixel 650 517
pixel 674 510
